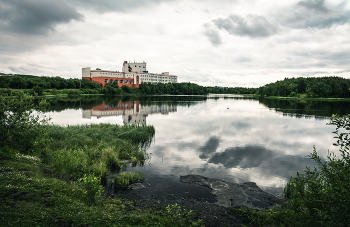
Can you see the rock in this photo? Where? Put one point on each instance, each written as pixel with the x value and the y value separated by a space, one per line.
pixel 136 186
pixel 230 194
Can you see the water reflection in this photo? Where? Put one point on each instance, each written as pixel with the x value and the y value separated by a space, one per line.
pixel 132 111
pixel 237 138
pixel 308 109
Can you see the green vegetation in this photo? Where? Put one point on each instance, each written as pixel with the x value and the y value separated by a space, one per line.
pixel 191 89
pixel 312 87
pixel 126 178
pixel 319 196
pixel 51 175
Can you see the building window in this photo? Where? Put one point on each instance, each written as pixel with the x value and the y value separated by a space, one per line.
pixel 131 82
pixel 121 81
pixel 106 80
pixel 126 81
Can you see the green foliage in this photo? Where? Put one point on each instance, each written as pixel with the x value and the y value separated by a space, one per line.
pixel 95 148
pixel 112 89
pixel 74 92
pixel 181 216
pixel 126 89
pixel 124 179
pixel 313 87
pixel 19 127
pixel 319 196
pixel 190 89
pixel 91 188
pixel 38 90
pixel 44 82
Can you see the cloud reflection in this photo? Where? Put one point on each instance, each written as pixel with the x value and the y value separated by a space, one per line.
pixel 243 157
pixel 209 148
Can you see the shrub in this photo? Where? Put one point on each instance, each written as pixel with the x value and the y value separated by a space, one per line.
pixel 320 196
pixel 91 188
pixel 19 127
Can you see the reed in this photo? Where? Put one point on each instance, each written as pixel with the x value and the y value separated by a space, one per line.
pixel 126 178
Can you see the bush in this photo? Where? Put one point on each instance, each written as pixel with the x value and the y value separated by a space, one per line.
pixel 320 196
pixel 19 127
pixel 91 188
pixel 126 89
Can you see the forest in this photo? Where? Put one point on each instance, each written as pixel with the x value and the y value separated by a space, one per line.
pixel 29 82
pixel 311 87
pixel 51 85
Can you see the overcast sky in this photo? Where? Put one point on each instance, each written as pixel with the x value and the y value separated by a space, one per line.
pixel 209 42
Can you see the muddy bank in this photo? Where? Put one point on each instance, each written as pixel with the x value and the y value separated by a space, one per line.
pixel 211 199
pixel 235 195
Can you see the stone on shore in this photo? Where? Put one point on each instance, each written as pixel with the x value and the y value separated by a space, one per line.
pixel 236 195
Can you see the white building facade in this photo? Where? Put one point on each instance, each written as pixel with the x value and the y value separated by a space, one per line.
pixel 134 73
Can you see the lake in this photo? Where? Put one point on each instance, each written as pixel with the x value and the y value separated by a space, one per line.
pixel 234 137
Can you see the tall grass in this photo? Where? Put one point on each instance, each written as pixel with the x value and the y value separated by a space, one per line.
pixel 96 148
pixel 126 178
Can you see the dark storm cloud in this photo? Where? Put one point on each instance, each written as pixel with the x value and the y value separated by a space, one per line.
pixel 314 13
pixel 252 25
pixel 244 157
pixel 213 35
pixel 35 16
pixel 209 148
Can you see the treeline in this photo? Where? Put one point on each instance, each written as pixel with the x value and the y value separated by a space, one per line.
pixel 191 89
pixel 173 89
pixel 29 82
pixel 53 85
pixel 312 87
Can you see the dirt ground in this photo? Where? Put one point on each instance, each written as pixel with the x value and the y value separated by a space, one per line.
pixel 212 214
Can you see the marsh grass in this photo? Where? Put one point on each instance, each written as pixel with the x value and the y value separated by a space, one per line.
pixel 97 148
pixel 28 198
pixel 126 178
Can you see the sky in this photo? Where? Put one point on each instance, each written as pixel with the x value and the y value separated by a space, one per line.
pixel 234 43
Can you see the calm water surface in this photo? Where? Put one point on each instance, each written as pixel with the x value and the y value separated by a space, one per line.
pixel 232 137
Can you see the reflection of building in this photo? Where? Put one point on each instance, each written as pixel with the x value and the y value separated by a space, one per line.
pixel 133 112
pixel 132 75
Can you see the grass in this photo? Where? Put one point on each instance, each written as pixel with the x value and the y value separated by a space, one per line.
pixel 29 198
pixel 96 148
pixel 126 178
pixel 61 184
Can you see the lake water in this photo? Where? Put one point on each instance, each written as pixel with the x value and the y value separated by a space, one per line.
pixel 233 137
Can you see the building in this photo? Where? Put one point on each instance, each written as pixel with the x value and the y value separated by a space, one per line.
pixel 132 75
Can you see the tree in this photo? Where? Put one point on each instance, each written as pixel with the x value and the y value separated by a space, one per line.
pixel 38 90
pixel 126 89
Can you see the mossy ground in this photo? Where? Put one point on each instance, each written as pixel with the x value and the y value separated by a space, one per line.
pixel 31 196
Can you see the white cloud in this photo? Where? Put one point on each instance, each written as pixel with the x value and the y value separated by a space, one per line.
pixel 170 36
